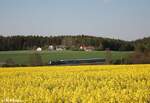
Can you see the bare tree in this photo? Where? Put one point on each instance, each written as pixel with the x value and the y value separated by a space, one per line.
pixel 108 56
pixel 35 59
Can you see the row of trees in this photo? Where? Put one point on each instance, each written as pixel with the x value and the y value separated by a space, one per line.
pixel 71 42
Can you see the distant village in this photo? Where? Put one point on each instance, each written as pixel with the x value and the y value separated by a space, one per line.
pixel 62 48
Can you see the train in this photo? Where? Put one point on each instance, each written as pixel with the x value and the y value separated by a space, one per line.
pixel 78 61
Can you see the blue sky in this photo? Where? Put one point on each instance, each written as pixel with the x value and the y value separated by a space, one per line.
pixel 123 19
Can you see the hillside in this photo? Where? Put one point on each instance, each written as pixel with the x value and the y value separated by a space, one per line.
pixel 71 42
pixel 11 43
pixel 143 44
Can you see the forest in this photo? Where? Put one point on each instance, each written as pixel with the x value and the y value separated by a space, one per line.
pixel 10 43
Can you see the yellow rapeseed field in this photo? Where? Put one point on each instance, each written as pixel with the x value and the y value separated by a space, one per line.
pixel 76 84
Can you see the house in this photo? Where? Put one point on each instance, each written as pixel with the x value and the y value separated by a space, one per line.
pixel 87 48
pixel 39 49
pixel 60 48
pixel 50 47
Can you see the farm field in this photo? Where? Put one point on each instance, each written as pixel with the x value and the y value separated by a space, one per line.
pixel 22 57
pixel 76 84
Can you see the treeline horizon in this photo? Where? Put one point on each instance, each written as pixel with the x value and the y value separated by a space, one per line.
pixel 30 42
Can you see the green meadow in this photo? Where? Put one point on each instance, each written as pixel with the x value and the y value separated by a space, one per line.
pixel 22 57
